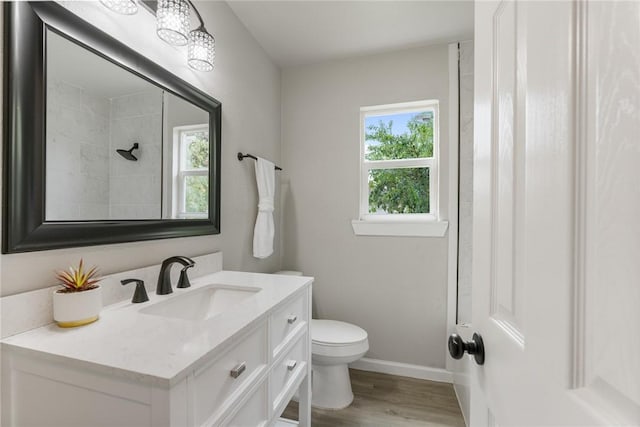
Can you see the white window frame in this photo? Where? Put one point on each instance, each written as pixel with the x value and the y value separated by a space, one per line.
pixel 400 224
pixel 180 173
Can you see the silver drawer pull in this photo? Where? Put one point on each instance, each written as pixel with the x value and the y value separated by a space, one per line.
pixel 291 365
pixel 238 370
pixel 292 319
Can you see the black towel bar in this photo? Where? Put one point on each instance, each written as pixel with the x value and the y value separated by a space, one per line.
pixel 251 156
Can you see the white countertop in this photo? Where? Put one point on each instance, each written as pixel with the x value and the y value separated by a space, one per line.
pixel 156 349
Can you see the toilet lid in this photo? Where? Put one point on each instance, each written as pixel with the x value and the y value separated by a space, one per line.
pixel 334 332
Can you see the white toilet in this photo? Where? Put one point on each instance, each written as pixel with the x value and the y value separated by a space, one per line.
pixel 334 345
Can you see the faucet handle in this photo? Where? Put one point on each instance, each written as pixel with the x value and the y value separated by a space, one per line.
pixel 183 281
pixel 140 294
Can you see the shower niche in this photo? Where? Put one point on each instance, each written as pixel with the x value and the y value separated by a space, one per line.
pixel 102 144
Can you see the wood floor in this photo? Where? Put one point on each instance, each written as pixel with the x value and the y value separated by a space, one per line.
pixel 388 401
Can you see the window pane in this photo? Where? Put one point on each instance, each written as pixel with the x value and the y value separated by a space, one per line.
pixel 196 194
pixel 399 191
pixel 196 150
pixel 399 136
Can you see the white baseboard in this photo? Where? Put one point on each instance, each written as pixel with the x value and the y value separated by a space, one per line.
pixel 403 370
pixel 463 409
pixel 283 422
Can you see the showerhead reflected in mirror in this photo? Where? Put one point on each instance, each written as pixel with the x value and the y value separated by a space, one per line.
pixel 118 147
pixel 128 154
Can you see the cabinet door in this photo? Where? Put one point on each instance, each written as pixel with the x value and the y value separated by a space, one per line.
pixel 254 412
pixel 34 392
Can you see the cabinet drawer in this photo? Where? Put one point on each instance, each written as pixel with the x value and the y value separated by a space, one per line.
pixel 217 384
pixel 254 412
pixel 286 369
pixel 286 320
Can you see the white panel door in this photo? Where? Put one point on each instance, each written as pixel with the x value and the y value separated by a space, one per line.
pixel 556 254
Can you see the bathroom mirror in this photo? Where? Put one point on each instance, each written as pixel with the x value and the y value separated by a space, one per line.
pixel 108 133
pixel 101 144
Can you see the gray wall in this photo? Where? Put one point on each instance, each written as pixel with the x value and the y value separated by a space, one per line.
pixel 247 83
pixel 393 287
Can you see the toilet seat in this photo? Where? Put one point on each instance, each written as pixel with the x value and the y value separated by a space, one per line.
pixel 334 332
pixel 333 338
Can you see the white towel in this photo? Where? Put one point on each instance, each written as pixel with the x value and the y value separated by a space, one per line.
pixel 265 229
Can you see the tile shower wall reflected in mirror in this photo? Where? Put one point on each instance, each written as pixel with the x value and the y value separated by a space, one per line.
pixel 119 147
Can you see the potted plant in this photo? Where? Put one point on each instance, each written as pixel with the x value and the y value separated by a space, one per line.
pixel 79 301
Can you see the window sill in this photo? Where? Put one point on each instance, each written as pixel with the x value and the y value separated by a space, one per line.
pixel 400 227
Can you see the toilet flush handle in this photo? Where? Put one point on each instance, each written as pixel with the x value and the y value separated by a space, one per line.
pixel 292 319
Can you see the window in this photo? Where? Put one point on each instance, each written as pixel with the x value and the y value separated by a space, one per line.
pixel 191 172
pixel 399 165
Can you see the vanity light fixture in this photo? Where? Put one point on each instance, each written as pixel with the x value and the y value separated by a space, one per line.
pixel 201 47
pixel 123 7
pixel 173 24
pixel 173 18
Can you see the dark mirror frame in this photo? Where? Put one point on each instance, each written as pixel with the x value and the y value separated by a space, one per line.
pixel 24 226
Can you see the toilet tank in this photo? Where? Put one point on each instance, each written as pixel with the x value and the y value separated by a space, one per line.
pixel 289 272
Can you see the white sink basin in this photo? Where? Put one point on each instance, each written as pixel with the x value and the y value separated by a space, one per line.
pixel 201 304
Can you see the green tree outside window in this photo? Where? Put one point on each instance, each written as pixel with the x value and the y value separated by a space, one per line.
pixel 197 187
pixel 401 190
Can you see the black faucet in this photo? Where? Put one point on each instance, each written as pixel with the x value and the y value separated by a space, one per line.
pixel 164 278
pixel 140 295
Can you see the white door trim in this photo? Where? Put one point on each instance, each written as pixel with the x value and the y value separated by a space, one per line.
pixel 452 268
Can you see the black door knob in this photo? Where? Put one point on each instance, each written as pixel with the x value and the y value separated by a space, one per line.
pixel 475 347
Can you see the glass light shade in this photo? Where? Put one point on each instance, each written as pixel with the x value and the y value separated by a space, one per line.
pixel 123 7
pixel 173 21
pixel 201 50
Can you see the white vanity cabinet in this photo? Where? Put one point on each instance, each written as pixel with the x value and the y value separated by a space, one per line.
pixel 245 382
